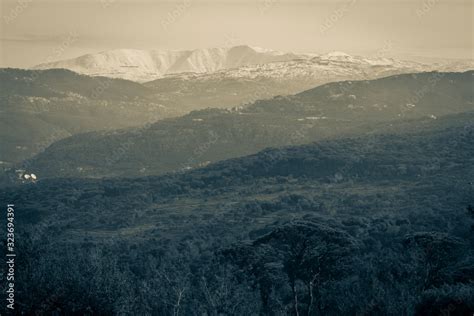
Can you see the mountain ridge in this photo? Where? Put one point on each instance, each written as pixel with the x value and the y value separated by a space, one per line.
pixel 243 60
pixel 145 65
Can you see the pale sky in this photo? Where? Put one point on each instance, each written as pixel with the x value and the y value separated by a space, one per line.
pixel 35 31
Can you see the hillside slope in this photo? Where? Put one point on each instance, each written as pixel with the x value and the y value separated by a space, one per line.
pixel 328 111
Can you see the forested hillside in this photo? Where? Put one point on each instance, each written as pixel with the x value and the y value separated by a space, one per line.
pixel 373 225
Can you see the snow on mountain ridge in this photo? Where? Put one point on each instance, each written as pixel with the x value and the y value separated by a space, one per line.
pixel 240 62
pixel 142 65
pixel 308 73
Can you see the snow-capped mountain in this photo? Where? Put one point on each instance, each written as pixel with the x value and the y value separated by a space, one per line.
pixel 324 66
pixel 243 62
pixel 142 65
pixel 251 82
pixel 338 66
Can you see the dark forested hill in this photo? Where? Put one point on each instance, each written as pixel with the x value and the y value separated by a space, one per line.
pixel 326 112
pixel 39 107
pixel 387 219
pixel 408 95
pixel 60 82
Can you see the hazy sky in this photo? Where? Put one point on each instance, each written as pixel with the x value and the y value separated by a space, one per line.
pixel 35 31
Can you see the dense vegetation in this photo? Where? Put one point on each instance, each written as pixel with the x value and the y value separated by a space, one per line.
pixel 379 224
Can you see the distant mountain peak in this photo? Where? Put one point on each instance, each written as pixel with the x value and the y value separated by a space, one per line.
pixel 146 65
pixel 242 60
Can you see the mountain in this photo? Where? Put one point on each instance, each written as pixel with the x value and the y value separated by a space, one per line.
pixel 39 107
pixel 140 65
pixel 385 219
pixel 239 86
pixel 301 71
pixel 328 111
pixel 233 77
